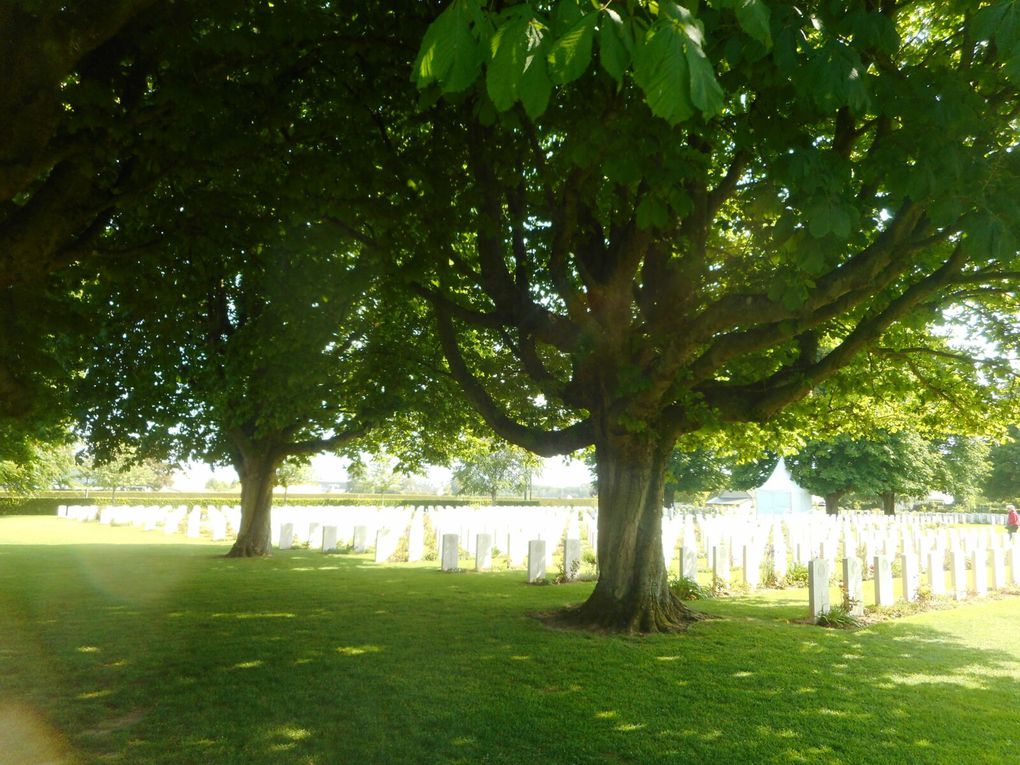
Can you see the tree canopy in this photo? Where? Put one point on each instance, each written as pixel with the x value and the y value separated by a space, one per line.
pixel 493 467
pixel 888 464
pixel 1003 480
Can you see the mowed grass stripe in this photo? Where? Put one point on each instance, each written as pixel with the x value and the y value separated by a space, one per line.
pixel 113 649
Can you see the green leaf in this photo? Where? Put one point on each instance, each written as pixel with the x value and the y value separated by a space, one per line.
pixel 819 218
pixel 661 71
pixel 999 22
pixel 566 15
pixel 1012 66
pixel 784 227
pixel 509 57
pixel 449 54
pixel 753 17
pixel 652 213
pixel 571 54
pixel 613 53
pixel 535 87
pixel 989 237
pixel 840 222
pixel 826 216
pixel 681 203
pixel 705 91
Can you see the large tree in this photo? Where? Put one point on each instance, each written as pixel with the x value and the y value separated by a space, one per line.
pixel 493 467
pixel 663 218
pixel 1003 480
pixel 883 466
pixel 254 345
pixel 243 316
pixel 694 474
pixel 963 466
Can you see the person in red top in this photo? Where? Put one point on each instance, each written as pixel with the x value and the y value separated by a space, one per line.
pixel 1012 520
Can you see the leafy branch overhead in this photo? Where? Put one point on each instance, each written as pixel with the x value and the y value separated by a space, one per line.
pixel 527 48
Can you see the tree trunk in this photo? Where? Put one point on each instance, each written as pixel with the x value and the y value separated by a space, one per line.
pixel 632 593
pixel 258 476
pixel 888 502
pixel 832 502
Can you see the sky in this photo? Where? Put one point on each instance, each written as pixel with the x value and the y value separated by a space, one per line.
pixel 328 467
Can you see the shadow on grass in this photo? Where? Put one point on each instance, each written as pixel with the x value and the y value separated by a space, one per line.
pixel 171 656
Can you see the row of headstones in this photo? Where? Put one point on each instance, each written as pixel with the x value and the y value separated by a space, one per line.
pixel 321 536
pixel 548 524
pixel 830 537
pixel 329 538
pixel 221 521
pixel 994 519
pixel 538 556
pixel 820 572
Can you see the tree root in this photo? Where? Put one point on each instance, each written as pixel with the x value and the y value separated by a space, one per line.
pixel 248 549
pixel 647 617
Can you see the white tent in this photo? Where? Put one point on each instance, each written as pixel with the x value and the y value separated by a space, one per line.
pixel 779 494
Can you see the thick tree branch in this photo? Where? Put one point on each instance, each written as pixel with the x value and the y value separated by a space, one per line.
pixel 318 445
pixel 542 442
pixel 762 400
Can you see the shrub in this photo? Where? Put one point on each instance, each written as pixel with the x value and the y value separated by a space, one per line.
pixel 689 589
pixel 838 616
pixel 797 575
pixel 563 576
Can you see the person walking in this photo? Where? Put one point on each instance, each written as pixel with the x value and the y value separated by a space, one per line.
pixel 1012 521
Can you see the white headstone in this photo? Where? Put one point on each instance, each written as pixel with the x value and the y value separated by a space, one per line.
pixel 328 539
pixel 360 539
pixel 286 536
pixel 689 563
pixel 958 567
pixel 416 537
pixel 218 526
pixel 979 560
pixel 818 587
pixel 779 567
pixel 194 524
pixel 536 560
pixel 853 585
pixel 721 564
pixel 883 582
pixel 451 552
pixel 483 552
pixel 385 545
pixel 752 566
pixel 516 548
pixel 911 575
pixel 936 573
pixel 998 560
pixel 571 558
pixel 315 535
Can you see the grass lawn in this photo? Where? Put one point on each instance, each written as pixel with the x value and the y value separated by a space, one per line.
pixel 118 646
